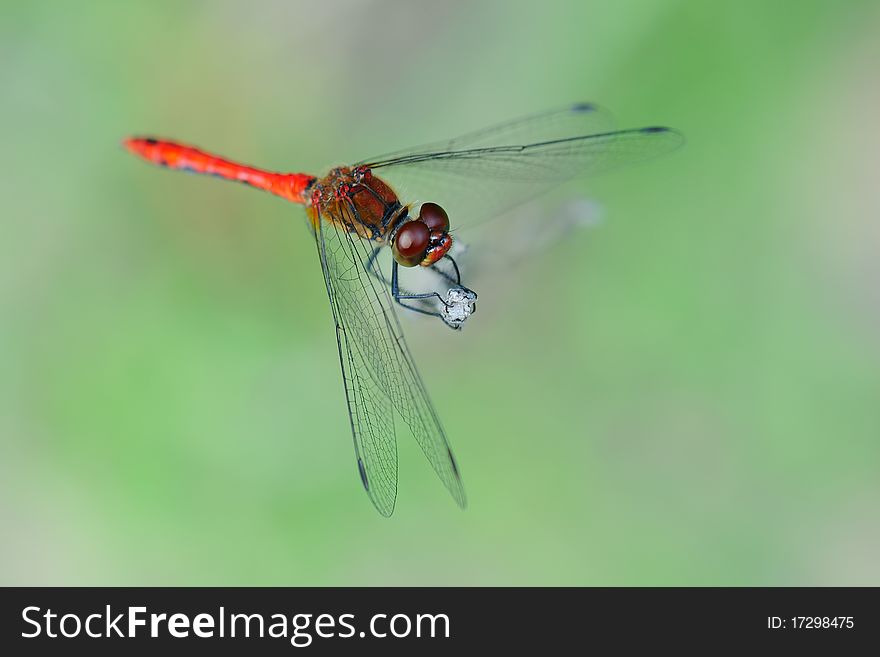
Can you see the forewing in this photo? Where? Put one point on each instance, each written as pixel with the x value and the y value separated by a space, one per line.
pixel 571 120
pixel 478 183
pixel 378 370
pixel 360 344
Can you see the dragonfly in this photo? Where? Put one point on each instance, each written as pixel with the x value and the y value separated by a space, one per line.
pixel 406 203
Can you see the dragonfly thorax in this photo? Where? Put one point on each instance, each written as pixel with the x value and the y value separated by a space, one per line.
pixel 354 199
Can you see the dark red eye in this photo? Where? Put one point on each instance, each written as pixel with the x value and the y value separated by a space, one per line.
pixel 434 217
pixel 411 243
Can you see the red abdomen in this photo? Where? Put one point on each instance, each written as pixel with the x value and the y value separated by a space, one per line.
pixel 188 158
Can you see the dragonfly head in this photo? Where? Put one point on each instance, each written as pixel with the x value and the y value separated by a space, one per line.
pixel 424 240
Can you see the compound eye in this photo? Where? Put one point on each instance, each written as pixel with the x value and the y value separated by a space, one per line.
pixel 434 217
pixel 411 243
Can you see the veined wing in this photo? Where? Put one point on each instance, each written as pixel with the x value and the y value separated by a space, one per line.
pixel 477 183
pixel 378 370
pixel 557 159
pixel 571 120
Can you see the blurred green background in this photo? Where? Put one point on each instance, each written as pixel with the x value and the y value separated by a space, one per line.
pixel 688 393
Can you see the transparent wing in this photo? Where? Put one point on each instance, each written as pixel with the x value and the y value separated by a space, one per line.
pixel 369 405
pixel 378 371
pixel 485 173
pixel 577 119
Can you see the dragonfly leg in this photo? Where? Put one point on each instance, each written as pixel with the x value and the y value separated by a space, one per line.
pixel 457 279
pixel 372 267
pixel 454 309
pixel 401 298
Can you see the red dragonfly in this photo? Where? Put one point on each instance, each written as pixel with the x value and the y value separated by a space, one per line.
pixel 407 201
